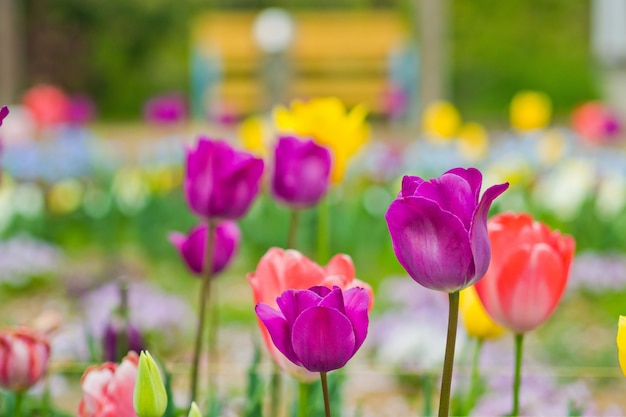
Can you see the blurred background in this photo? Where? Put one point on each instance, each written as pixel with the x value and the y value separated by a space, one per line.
pixel 105 94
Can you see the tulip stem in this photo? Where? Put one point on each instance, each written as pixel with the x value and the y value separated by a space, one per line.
pixel 303 399
pixel 292 235
pixel 446 380
pixel 17 405
pixel 519 339
pixel 323 230
pixel 325 391
pixel 205 292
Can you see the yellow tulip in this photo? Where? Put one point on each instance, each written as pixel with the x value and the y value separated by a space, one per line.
pixel 476 320
pixel 253 134
pixel 330 124
pixel 441 121
pixel 621 342
pixel 473 141
pixel 530 110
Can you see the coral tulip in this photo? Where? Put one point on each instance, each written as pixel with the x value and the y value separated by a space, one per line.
pixel 192 247
pixel 108 389
pixel 528 271
pixel 4 112
pixel 301 172
pixel 221 182
pixel 621 342
pixel 476 320
pixel 439 228
pixel 24 356
pixel 280 270
pixel 319 329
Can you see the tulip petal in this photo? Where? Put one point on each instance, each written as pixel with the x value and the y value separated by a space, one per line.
pixel 531 283
pixel 431 244
pixel 323 339
pixel 334 299
pixel 479 236
pixel 339 271
pixel 278 329
pixel 357 302
pixel 473 177
pixel 292 302
pixel 409 185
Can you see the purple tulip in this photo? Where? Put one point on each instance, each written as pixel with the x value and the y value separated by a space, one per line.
pixel 319 329
pixel 220 181
pixel 192 247
pixel 301 172
pixel 439 228
pixel 111 340
pixel 4 112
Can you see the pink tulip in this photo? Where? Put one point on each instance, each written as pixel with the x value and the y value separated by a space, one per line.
pixel 24 356
pixel 528 271
pixel 108 389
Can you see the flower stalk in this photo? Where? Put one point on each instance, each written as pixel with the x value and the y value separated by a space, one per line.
pixel 519 339
pixel 446 381
pixel 325 391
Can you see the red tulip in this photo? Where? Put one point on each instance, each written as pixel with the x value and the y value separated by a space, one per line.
pixel 528 271
pixel 108 389
pixel 24 358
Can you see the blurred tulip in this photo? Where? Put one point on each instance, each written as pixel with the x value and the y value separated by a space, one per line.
pixel 81 110
pixel 253 134
pixel 4 112
pixel 477 322
pixel 165 109
pixel 149 396
pixel 116 334
pixel 595 122
pixel 441 120
pixel 328 123
pixel 621 343
pixel 530 110
pixel 438 228
pixel 473 141
pixel 48 104
pixel 192 247
pixel 528 271
pixel 24 356
pixel 319 329
pixel 221 182
pixel 280 270
pixel 108 389
pixel 301 172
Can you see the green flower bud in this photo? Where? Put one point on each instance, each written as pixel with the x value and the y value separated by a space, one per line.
pixel 194 411
pixel 149 397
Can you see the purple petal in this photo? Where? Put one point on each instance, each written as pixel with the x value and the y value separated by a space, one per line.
pixel 431 244
pixel 356 304
pixel 294 302
pixel 4 112
pixel 479 236
pixel 323 339
pixel 279 330
pixel 472 176
pixel 320 290
pixel 409 185
pixel 334 299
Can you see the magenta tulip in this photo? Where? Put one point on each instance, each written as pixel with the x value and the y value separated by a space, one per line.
pixel 221 182
pixel 439 228
pixel 192 247
pixel 319 329
pixel 4 112
pixel 301 172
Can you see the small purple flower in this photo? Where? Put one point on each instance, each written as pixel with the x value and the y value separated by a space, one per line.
pixel 111 340
pixel 439 228
pixel 319 329
pixel 4 112
pixel 192 247
pixel 221 182
pixel 301 172
pixel 165 109
pixel 81 110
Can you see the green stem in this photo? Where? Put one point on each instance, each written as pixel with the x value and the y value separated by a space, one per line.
pixel 519 339
pixel 17 406
pixel 323 230
pixel 325 391
pixel 446 380
pixel 428 392
pixel 303 399
pixel 292 235
pixel 275 388
pixel 474 379
pixel 205 292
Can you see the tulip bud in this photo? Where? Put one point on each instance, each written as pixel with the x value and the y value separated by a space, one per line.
pixel 149 396
pixel 194 411
pixel 24 357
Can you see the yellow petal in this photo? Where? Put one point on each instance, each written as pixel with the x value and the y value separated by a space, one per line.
pixel 441 120
pixel 621 342
pixel 253 135
pixel 530 110
pixel 476 320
